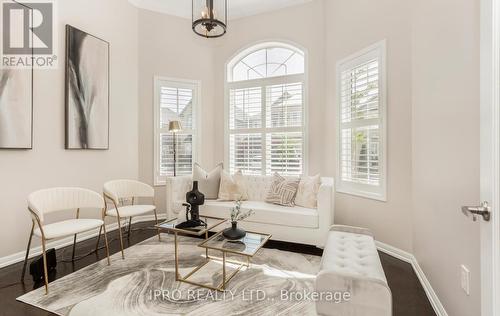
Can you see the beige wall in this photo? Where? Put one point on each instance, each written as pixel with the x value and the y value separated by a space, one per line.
pixel 49 164
pixel 169 48
pixel 446 147
pixel 303 26
pixel 351 28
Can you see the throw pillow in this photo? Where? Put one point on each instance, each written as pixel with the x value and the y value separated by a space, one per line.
pixel 307 193
pixel 282 191
pixel 232 188
pixel 208 182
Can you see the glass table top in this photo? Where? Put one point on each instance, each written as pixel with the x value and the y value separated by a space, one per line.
pixel 247 246
pixel 212 222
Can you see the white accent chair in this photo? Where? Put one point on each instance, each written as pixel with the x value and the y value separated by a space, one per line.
pixel 117 191
pixel 350 264
pixel 52 200
pixel 293 224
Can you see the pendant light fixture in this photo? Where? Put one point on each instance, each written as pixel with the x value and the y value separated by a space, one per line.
pixel 209 17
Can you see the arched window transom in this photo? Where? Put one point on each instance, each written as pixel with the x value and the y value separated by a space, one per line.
pixel 265 112
pixel 268 62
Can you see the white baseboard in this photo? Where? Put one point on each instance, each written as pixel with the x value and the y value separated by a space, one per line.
pixel 394 252
pixel 60 243
pixel 409 258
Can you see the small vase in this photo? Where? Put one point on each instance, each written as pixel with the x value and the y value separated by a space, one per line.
pixel 233 233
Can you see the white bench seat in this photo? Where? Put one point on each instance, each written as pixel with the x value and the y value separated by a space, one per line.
pixel 350 264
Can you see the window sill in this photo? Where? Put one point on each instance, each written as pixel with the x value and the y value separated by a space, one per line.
pixel 364 194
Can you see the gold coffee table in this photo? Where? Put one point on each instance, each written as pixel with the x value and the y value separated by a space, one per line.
pixel 247 247
pixel 169 227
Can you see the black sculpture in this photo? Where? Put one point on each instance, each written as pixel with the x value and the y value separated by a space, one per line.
pixel 194 199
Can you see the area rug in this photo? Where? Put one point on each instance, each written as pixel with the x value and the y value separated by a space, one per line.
pixel 144 284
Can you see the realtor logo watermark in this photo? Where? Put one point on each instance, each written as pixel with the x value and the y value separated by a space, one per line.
pixel 29 34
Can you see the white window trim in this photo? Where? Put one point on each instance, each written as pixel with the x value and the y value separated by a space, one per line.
pixel 178 83
pixel 304 78
pixel 357 189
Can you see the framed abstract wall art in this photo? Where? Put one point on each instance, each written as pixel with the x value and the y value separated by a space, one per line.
pixel 87 90
pixel 16 94
pixel 16 108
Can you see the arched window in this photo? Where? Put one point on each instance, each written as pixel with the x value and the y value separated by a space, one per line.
pixel 265 110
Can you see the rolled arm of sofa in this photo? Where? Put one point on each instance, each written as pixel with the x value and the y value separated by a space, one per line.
pixel 326 203
pixel 176 193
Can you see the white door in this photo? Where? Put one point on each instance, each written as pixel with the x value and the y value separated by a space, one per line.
pixel 490 157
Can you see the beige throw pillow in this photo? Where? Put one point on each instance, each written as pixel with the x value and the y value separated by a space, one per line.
pixel 282 191
pixel 208 182
pixel 232 188
pixel 307 193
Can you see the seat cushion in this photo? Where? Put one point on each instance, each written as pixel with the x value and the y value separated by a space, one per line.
pixel 265 213
pixel 68 227
pixel 131 210
pixel 352 254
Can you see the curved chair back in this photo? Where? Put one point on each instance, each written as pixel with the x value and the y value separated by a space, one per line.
pixel 121 189
pixel 61 199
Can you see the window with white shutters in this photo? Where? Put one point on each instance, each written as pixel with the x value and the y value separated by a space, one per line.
pixel 265 111
pixel 175 100
pixel 361 124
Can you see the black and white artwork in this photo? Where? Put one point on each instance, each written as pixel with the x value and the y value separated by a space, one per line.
pixel 16 108
pixel 87 90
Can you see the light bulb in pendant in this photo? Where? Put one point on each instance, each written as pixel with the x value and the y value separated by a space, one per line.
pixel 204 13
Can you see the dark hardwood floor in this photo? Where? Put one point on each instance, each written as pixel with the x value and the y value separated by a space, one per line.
pixel 409 298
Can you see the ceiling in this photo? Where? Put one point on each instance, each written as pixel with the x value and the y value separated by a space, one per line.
pixel 236 8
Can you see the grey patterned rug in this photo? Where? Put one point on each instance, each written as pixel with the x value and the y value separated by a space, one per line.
pixel 144 284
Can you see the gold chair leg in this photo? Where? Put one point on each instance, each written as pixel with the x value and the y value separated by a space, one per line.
pixel 121 237
pixel 98 239
pixel 74 247
pixel 156 219
pixel 45 272
pixel 129 227
pixel 28 250
pixel 106 242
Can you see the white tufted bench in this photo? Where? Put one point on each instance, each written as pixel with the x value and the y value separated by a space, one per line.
pixel 350 264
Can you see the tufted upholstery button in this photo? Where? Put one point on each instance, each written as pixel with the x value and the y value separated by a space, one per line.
pixel 353 257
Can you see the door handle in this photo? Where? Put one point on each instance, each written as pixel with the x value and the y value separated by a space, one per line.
pixel 482 210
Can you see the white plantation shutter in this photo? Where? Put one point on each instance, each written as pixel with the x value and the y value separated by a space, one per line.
pixel 284 105
pixel 245 111
pixel 266 128
pixel 176 100
pixel 284 153
pixel 360 155
pixel 284 111
pixel 246 153
pixel 184 154
pixel 361 128
pixel 176 104
pixel 265 112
